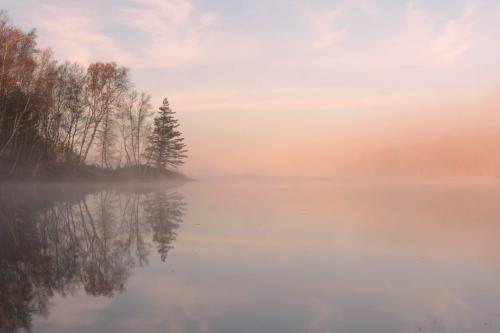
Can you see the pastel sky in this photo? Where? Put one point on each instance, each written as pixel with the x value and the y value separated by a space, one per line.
pixel 302 88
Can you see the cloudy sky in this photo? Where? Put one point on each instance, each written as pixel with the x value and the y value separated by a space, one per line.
pixel 302 88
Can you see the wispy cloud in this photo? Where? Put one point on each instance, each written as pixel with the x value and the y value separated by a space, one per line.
pixel 165 33
pixel 74 35
pixel 326 28
pixel 170 32
pixel 366 6
pixel 417 37
pixel 330 25
pixel 326 24
pixel 424 40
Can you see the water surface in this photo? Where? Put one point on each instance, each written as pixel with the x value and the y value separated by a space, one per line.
pixel 240 257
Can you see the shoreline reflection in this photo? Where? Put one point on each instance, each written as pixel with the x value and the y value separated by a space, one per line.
pixel 60 243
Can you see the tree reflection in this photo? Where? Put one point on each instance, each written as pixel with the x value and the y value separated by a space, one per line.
pixel 92 242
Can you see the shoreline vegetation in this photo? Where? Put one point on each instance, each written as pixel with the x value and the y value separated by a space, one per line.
pixel 63 122
pixel 66 173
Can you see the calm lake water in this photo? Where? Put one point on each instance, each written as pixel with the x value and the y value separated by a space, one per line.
pixel 241 257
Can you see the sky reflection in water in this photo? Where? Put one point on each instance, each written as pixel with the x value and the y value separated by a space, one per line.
pixel 238 257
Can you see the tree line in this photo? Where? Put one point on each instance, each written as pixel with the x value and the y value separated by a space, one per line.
pixel 54 112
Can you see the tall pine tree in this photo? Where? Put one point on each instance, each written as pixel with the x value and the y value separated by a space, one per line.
pixel 166 148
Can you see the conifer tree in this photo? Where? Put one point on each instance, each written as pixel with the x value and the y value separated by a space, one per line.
pixel 166 148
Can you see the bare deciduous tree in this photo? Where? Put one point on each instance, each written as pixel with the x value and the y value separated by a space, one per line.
pixel 105 86
pixel 133 125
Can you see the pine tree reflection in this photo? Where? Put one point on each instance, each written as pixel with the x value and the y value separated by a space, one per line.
pixel 164 215
pixel 90 242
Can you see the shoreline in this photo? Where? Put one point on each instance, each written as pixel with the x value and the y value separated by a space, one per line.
pixel 86 174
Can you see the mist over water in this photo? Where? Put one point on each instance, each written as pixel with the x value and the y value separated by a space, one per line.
pixel 242 256
pixel 428 142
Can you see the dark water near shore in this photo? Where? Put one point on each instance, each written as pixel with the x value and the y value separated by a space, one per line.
pixel 240 257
